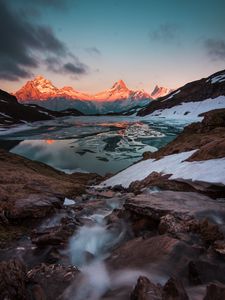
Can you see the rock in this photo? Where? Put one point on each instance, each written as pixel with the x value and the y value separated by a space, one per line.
pixel 12 280
pixel 178 204
pixel 52 280
pixel 173 225
pixel 219 248
pixel 57 235
pixel 201 272
pixel 137 252
pixel 146 290
pixel 215 291
pixel 34 206
pixel 160 181
pixel 174 290
pixel 30 189
pixel 208 231
pixel 118 188
pixel 37 292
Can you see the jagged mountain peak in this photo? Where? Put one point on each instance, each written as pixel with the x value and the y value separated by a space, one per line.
pixel 160 91
pixel 120 84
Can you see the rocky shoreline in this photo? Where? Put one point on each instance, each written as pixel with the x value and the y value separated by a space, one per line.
pixel 62 237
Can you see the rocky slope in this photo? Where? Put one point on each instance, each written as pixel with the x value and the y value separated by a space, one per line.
pixel 118 98
pixel 12 112
pixel 193 98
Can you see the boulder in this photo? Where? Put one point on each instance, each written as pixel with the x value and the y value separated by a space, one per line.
pixel 146 290
pixel 215 291
pixel 13 280
pixel 50 281
pixel 201 272
pixel 174 290
pixel 34 206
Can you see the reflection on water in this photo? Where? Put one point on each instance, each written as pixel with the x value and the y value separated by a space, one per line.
pixel 89 144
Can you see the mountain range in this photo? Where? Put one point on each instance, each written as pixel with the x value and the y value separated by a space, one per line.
pixel 116 99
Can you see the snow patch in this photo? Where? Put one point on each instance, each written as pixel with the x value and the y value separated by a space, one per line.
pixel 190 110
pixel 212 170
pixel 172 95
pixel 218 78
pixel 68 202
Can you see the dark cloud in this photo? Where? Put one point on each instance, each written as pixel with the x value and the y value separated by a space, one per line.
pixel 23 43
pixel 72 68
pixel 167 32
pixel 215 48
pixel 93 51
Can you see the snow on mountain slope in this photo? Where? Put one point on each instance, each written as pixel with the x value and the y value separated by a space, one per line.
pixel 160 92
pixel 174 164
pixel 189 110
pixel 200 91
pixel 42 92
pixel 120 91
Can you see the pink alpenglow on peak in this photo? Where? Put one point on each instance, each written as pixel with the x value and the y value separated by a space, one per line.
pixel 42 89
pixel 160 92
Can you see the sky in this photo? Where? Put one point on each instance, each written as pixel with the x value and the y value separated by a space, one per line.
pixel 90 44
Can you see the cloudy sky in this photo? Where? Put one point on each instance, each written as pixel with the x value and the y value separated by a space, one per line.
pixel 89 44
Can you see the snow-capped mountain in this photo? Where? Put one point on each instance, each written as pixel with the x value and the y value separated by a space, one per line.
pixel 190 100
pixel 160 91
pixel 118 98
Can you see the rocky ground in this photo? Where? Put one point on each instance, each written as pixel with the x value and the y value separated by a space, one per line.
pixel 158 239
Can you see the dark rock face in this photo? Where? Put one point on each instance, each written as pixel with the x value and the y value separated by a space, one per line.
pixel 174 290
pixel 50 281
pixel 146 290
pixel 208 231
pixel 198 90
pixel 14 112
pixel 215 291
pixel 201 272
pixel 12 280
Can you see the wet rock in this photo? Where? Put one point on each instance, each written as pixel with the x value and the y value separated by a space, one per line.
pixel 174 290
pixel 34 206
pixel 52 280
pixel 160 181
pixel 201 272
pixel 219 248
pixel 146 290
pixel 173 225
pixel 58 235
pixel 37 293
pixel 179 204
pixel 12 280
pixel 208 231
pixel 215 291
pixel 137 252
pixel 119 188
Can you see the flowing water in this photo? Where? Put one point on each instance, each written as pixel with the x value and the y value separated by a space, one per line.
pixel 89 144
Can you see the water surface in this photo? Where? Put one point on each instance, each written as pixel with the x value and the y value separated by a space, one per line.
pixel 90 144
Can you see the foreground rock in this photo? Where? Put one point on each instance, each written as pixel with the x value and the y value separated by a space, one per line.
pixel 32 190
pixel 146 290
